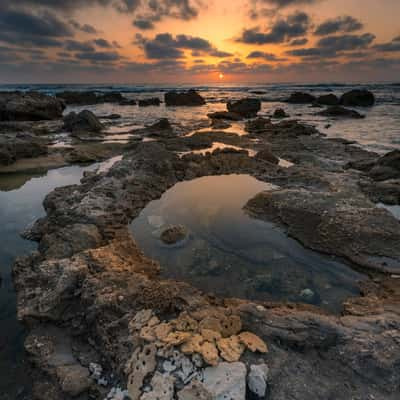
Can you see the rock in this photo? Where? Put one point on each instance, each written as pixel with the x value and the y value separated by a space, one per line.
pixel 339 111
pixel 189 98
pixel 85 121
pixel 219 124
pixel 246 108
pixel 266 155
pixel 253 342
pixel 258 125
pixel 386 167
pixel 173 234
pixel 73 379
pixel 194 391
pixel 110 116
pixel 230 349
pixel 391 160
pixel 300 98
pixel 230 116
pixel 209 353
pixel 328 100
pixel 257 379
pixel 358 98
pixel 138 367
pixel 127 102
pixel 162 388
pixel 226 381
pixel 307 294
pixel 89 97
pixel 30 106
pixel 280 113
pixel 154 101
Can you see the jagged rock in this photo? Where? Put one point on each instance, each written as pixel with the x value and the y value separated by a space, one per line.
pixel 185 323
pixel 226 381
pixel 230 116
pixel 154 101
pixel 300 98
pixel 85 121
pixel 189 98
pixel 138 367
pixel 73 379
pixel 338 111
pixel 258 125
pixel 219 124
pixel 89 97
pixel 246 108
pixel 30 106
pixel 161 128
pixel 177 338
pixel 328 100
pixel 267 155
pixel 140 319
pixel 230 349
pixel 162 388
pixel 280 113
pixel 358 98
pixel 173 234
pixel 194 391
pixel 253 342
pixel 257 379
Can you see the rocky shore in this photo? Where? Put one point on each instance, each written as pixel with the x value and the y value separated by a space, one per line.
pixel 103 324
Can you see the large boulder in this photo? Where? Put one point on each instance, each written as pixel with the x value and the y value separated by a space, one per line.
pixel 300 98
pixel 85 121
pixel 339 111
pixel 387 167
pixel 358 98
pixel 328 100
pixel 230 116
pixel 189 98
pixel 30 106
pixel 247 108
pixel 154 101
pixel 90 97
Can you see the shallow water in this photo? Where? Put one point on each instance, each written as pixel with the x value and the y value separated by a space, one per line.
pixel 230 254
pixel 21 197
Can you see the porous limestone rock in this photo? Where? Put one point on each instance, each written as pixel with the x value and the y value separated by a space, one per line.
pixel 257 379
pixel 253 342
pixel 230 348
pixel 162 388
pixel 194 391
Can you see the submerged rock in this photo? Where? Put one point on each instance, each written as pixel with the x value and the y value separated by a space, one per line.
pixel 173 234
pixel 85 121
pixel 154 101
pixel 246 108
pixel 358 98
pixel 300 98
pixel 30 106
pixel 338 111
pixel 189 98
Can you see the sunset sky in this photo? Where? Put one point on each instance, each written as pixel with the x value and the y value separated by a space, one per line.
pixel 198 41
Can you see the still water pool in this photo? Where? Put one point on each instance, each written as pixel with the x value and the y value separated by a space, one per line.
pixel 229 253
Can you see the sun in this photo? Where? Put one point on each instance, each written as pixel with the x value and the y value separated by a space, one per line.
pixel 221 75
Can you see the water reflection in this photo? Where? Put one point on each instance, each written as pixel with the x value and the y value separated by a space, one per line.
pixel 231 254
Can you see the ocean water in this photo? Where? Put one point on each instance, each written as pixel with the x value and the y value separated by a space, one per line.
pixel 379 131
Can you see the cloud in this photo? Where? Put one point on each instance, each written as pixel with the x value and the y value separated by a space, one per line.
pixel 287 3
pixel 282 30
pixel 298 42
pixel 105 44
pixel 99 56
pixel 74 45
pixel 392 46
pixel 165 46
pixel 84 28
pixel 144 24
pixel 265 56
pixel 344 24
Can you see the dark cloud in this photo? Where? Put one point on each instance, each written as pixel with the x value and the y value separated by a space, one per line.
pixel 165 46
pixel 282 30
pixel 265 56
pixel 144 24
pixel 74 45
pixel 298 42
pixel 105 44
pixel 344 24
pixel 84 28
pixel 287 3
pixel 99 56
pixel 392 46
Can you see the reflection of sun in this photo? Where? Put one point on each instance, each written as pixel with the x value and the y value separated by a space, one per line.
pixel 221 76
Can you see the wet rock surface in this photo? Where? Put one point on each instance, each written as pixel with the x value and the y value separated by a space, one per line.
pixel 358 98
pixel 246 108
pixel 30 106
pixel 85 121
pixel 189 98
pixel 301 98
pixel 88 295
pixel 90 97
pixel 341 112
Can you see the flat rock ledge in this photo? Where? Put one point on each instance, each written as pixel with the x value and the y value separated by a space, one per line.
pixel 102 324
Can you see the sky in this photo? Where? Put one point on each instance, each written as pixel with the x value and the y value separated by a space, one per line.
pixel 198 41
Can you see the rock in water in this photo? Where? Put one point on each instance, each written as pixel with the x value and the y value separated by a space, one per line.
pixel 257 379
pixel 226 381
pixel 154 101
pixel 30 106
pixel 173 234
pixel 328 100
pixel 189 98
pixel 300 98
pixel 358 98
pixel 85 121
pixel 338 111
pixel 267 155
pixel 88 97
pixel 280 113
pixel 246 108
